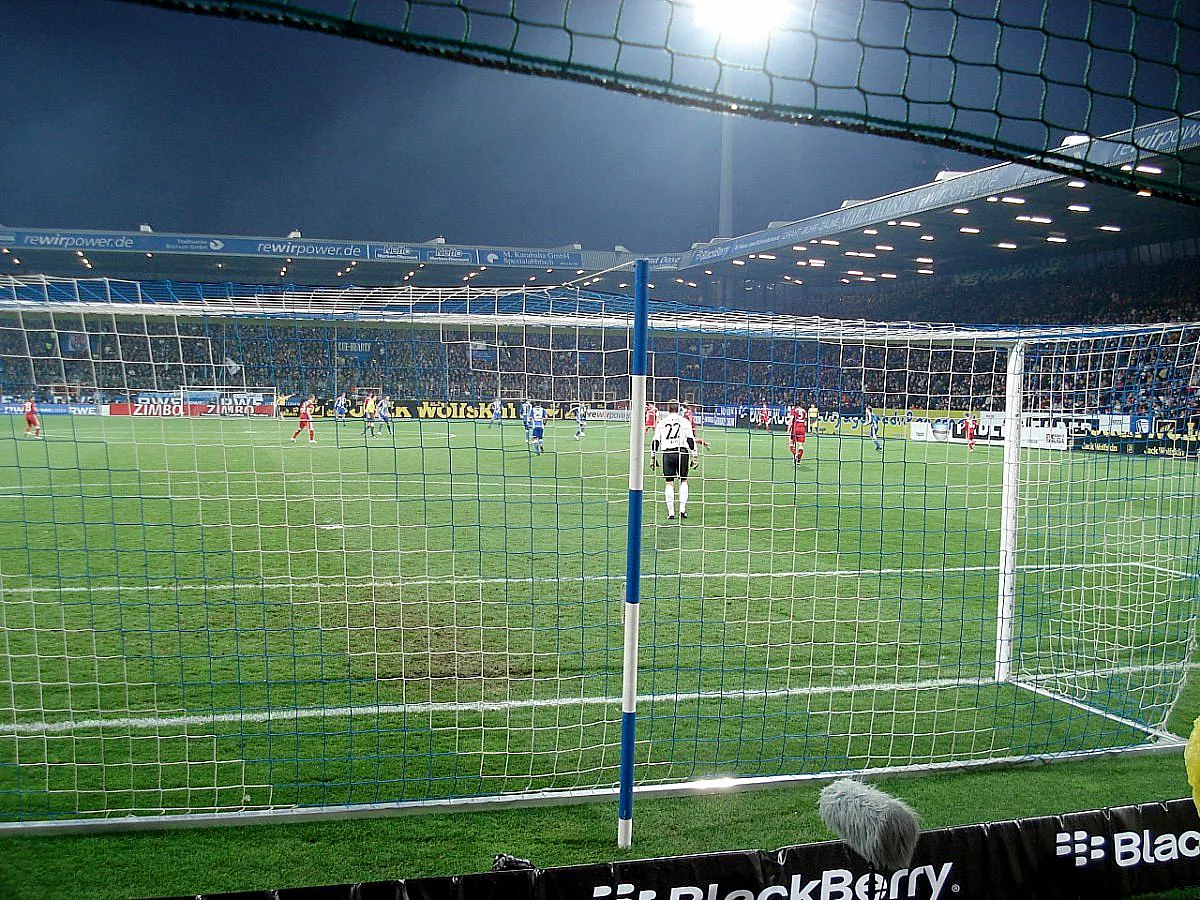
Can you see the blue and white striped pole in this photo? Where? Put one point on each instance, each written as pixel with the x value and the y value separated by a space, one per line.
pixel 633 549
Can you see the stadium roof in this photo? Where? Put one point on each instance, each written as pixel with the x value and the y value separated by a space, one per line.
pixel 1008 215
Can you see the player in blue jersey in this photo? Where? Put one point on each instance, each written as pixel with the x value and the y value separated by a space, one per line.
pixel 538 420
pixel 339 409
pixel 527 419
pixel 871 420
pixel 497 411
pixel 581 415
pixel 385 413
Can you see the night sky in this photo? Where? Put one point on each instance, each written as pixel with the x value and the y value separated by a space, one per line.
pixel 114 114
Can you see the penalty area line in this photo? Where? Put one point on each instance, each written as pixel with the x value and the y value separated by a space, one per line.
pixel 259 717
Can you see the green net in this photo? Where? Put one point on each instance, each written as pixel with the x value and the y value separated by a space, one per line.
pixel 1000 78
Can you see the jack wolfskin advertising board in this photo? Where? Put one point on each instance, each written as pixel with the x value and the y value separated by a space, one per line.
pixel 429 410
pixel 1097 855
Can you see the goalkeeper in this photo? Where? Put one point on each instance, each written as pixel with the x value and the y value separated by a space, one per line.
pixel 673 436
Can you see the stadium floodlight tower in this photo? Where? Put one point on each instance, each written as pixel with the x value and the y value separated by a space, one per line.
pixel 743 25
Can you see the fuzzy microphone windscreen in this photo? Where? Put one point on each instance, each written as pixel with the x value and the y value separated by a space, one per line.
pixel 876 826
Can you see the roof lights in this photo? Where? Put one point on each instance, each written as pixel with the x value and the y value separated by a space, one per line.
pixel 924 271
pixel 1079 207
pixel 1056 239
pixel 870 231
pixel 1007 245
pixel 925 259
pixel 909 223
pixel 884 247
pixel 1039 220
pixel 927 237
pixel 1113 228
pixel 828 242
pixel 967 229
pixel 766 256
pixel 1016 201
pixel 1077 184
pixel 739 262
pixel 960 211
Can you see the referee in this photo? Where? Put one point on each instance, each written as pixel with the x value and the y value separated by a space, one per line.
pixel 673 436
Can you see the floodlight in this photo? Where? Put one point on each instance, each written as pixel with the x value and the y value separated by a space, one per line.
pixel 741 20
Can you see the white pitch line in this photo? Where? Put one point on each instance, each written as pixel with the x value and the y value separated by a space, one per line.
pixel 327 582
pixel 409 709
pixel 482 706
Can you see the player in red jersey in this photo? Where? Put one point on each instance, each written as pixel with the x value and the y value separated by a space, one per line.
pixel 32 425
pixel 686 412
pixel 651 416
pixel 797 430
pixel 764 415
pixel 306 412
pixel 969 430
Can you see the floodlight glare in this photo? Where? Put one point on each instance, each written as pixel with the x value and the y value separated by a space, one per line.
pixel 741 20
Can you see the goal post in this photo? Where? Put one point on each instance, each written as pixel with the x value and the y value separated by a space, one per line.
pixel 982 548
pixel 1009 509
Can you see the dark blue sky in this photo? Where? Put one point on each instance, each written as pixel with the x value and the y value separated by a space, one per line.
pixel 115 114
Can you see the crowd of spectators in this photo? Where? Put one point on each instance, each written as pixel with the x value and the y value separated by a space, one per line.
pixel 722 362
pixel 1162 292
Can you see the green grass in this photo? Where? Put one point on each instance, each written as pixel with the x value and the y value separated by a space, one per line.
pixel 230 620
pixel 198 614
pixel 189 861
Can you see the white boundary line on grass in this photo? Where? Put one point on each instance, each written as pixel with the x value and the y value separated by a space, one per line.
pixel 327 582
pixel 151 723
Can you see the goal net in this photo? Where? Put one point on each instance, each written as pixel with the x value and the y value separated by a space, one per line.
pixel 983 549
pixel 1106 90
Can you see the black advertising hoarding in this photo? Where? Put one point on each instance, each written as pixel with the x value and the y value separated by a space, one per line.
pixel 1096 855
pixel 425 410
pixel 1170 446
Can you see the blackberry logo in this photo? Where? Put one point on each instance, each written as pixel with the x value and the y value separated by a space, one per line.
pixel 1083 846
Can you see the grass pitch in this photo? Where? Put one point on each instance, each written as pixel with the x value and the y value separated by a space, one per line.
pixel 202 615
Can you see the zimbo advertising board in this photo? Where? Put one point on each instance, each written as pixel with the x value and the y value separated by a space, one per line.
pixel 1097 855
pixel 192 403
